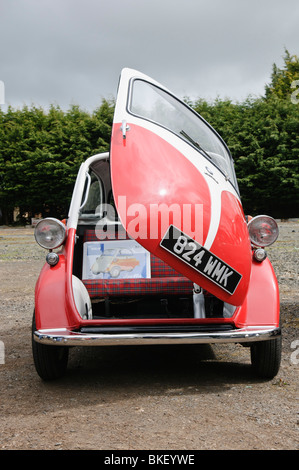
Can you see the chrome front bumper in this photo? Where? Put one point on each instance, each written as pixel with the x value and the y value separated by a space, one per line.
pixel 65 337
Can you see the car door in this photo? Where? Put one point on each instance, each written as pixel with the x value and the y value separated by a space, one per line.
pixel 175 188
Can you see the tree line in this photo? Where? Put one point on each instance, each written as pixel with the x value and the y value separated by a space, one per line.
pixel 40 154
pixel 41 151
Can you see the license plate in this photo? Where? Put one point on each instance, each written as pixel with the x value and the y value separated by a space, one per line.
pixel 200 259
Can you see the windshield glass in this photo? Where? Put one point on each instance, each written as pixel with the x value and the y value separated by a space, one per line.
pixel 151 102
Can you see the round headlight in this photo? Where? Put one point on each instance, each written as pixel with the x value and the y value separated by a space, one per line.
pixel 50 233
pixel 263 230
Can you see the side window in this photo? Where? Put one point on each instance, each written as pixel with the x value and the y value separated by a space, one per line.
pixel 95 196
pixel 98 203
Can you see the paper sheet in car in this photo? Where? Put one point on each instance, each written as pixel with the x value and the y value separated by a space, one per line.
pixel 200 259
pixel 113 259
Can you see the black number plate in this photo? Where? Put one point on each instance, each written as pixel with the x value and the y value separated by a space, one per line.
pixel 200 259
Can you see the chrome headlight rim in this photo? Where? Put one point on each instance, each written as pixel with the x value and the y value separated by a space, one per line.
pixel 61 229
pixel 253 226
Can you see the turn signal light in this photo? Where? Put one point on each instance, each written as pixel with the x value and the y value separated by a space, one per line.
pixel 260 254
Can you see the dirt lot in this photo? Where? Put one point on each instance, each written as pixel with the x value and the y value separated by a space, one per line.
pixel 152 398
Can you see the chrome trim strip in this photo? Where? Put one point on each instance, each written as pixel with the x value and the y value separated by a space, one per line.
pixel 65 337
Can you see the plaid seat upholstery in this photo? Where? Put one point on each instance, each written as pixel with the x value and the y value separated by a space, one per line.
pixel 138 287
pixel 164 279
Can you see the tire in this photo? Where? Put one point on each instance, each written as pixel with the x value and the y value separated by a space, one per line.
pixel 266 357
pixel 115 271
pixel 50 361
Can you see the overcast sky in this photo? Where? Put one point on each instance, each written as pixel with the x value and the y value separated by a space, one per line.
pixel 72 51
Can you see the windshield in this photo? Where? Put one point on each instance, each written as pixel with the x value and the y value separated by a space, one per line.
pixel 151 102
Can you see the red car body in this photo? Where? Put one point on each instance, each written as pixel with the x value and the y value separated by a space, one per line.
pixel 178 198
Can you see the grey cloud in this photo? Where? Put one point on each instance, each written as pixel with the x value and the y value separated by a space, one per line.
pixel 72 51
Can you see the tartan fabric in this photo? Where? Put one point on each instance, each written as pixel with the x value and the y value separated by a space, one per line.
pixel 135 287
pixel 164 279
pixel 161 269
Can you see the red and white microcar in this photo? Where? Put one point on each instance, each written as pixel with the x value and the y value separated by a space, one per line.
pixel 165 195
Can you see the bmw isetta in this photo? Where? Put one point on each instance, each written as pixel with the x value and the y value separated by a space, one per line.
pixel 167 193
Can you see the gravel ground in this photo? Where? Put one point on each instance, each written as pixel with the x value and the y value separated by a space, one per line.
pixel 175 398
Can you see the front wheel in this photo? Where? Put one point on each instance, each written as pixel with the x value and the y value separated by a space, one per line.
pixel 266 357
pixel 50 361
pixel 115 271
